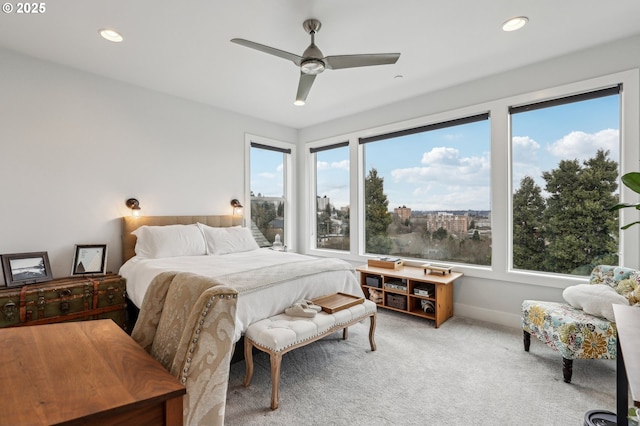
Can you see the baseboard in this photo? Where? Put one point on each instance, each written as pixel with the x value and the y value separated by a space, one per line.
pixel 488 315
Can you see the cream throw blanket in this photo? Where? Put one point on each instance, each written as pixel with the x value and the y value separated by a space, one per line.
pixel 257 279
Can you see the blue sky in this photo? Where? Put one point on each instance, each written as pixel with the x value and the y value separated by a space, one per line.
pixel 449 169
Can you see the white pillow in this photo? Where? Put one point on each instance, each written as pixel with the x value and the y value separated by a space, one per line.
pixel 234 239
pixel 169 241
pixel 594 299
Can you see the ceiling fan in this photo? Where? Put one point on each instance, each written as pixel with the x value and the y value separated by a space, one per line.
pixel 313 62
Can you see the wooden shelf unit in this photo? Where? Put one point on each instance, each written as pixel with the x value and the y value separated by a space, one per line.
pixel 440 290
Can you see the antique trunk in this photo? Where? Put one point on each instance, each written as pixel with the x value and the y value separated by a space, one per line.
pixel 65 299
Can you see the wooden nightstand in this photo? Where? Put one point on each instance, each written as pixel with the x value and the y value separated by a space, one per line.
pixel 65 299
pixel 407 289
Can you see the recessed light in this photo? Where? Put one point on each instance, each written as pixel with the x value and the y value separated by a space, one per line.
pixel 515 23
pixel 111 35
pixel 398 77
pixel 298 103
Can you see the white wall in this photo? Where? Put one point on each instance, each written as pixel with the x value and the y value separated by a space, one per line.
pixel 496 295
pixel 74 146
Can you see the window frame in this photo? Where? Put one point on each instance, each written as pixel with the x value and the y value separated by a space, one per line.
pixel 313 173
pixel 501 188
pixel 550 102
pixel 289 176
pixel 449 123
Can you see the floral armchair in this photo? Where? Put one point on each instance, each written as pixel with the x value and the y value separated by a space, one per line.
pixel 572 331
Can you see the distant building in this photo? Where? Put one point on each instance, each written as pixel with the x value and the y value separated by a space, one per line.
pixel 403 212
pixel 454 224
pixel 323 202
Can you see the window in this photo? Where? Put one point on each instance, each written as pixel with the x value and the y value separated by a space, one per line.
pixel 427 192
pixel 270 192
pixel 332 196
pixel 565 155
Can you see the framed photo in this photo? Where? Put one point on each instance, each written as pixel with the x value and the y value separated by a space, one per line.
pixel 26 268
pixel 89 259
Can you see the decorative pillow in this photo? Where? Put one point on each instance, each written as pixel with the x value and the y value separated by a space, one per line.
pixel 169 241
pixel 594 299
pixel 228 240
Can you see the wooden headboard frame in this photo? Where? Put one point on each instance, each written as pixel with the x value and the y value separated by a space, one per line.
pixel 130 224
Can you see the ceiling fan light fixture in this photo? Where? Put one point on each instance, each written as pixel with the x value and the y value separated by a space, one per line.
pixel 514 24
pixel 312 66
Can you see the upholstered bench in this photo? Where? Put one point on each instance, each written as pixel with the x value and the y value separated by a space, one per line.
pixel 282 333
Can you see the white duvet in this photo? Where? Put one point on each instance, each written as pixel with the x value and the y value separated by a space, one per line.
pixel 252 306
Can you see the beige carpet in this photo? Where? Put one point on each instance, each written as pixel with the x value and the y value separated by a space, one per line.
pixel 464 373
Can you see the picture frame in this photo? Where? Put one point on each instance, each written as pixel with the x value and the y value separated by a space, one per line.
pixel 26 268
pixel 89 259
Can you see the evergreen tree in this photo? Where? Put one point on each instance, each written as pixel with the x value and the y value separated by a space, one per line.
pixel 528 226
pixel 262 213
pixel 580 229
pixel 377 216
pixel 440 234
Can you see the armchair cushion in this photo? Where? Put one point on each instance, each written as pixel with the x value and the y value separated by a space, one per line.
pixel 596 300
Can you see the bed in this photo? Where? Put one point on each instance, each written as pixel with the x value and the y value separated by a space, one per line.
pixel 267 281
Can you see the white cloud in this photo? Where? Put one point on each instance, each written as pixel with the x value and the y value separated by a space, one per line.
pixel 582 146
pixel 440 155
pixel 322 165
pixel 525 149
pixel 446 166
pixel 342 165
pixel 446 180
pixel 525 160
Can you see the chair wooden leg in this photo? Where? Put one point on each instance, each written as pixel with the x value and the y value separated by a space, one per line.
pixel 526 338
pixel 248 360
pixel 567 369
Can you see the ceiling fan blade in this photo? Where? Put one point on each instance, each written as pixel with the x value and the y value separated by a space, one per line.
pixel 270 50
pixel 353 61
pixel 304 86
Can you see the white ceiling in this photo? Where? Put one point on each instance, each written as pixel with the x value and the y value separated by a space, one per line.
pixel 182 47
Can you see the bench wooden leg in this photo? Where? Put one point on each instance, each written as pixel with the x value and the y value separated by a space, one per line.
pixel 248 360
pixel 372 330
pixel 345 333
pixel 276 360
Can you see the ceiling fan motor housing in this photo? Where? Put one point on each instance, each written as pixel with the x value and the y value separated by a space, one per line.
pixel 312 63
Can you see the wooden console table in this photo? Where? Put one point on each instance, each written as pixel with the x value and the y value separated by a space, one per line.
pixel 418 286
pixel 627 359
pixel 79 373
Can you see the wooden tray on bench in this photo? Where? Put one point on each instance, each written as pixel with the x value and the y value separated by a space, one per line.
pixel 337 302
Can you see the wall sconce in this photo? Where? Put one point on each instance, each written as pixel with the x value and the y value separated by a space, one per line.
pixel 134 205
pixel 237 207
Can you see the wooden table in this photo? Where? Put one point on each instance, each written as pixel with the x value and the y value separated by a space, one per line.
pixel 628 358
pixel 79 373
